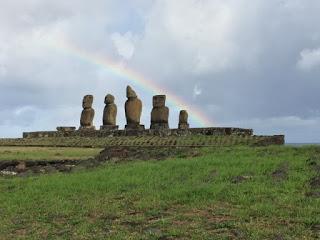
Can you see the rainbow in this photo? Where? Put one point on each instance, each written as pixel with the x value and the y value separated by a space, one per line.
pixel 195 114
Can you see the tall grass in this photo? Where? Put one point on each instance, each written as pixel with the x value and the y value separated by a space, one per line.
pixel 226 193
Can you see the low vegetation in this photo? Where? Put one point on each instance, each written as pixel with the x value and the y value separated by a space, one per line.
pixel 47 153
pixel 221 193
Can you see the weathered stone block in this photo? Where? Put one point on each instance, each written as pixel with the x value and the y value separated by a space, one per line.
pixel 159 126
pixel 109 127
pixel 66 129
pixel 134 126
pixel 138 130
pixel 183 126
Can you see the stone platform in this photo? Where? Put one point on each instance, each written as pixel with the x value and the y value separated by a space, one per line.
pixel 214 131
pixel 147 141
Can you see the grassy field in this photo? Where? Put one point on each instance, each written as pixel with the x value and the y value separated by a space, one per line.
pixel 48 153
pixel 226 193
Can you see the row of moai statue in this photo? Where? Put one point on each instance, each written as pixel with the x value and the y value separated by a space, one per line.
pixel 133 110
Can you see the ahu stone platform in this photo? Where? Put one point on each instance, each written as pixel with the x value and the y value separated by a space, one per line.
pixel 147 141
pixel 71 132
pixel 200 137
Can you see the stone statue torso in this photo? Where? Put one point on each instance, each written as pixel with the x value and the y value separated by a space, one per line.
pixel 160 115
pixel 110 114
pixel 133 109
pixel 87 116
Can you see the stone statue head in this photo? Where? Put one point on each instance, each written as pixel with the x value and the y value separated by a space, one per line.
pixel 87 101
pixel 159 101
pixel 131 93
pixel 109 99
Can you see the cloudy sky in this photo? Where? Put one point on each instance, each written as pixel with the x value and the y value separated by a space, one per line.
pixel 242 63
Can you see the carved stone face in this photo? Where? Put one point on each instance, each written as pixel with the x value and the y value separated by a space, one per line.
pixel 109 99
pixel 159 101
pixel 87 101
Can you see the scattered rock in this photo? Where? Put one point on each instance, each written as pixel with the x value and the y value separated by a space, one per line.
pixel 314 163
pixel 238 234
pixel 8 173
pixel 21 167
pixel 240 179
pixel 281 173
pixel 28 168
pixel 116 154
pixel 314 194
pixel 279 237
pixel 211 176
pixel 315 182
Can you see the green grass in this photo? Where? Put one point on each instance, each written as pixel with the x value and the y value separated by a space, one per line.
pixel 46 153
pixel 183 198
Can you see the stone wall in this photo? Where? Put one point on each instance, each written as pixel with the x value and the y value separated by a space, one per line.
pixel 269 140
pixel 147 141
pixel 101 138
pixel 149 132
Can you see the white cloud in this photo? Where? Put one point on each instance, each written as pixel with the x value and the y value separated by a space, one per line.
pixel 206 37
pixel 196 91
pixel 309 59
pixel 24 110
pixel 124 44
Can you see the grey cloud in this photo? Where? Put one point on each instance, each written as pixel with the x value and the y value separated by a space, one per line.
pixel 249 59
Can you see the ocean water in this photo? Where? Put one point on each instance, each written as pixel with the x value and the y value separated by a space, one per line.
pixel 301 144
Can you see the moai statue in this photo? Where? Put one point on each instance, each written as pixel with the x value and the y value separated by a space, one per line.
pixel 87 115
pixel 183 120
pixel 159 113
pixel 109 114
pixel 133 109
